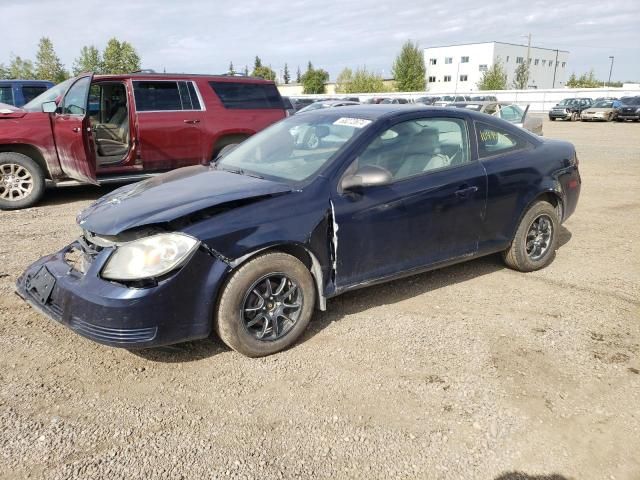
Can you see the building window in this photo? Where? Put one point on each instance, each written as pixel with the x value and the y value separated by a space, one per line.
pixel 432 61
pixel 507 58
pixel 557 63
pixel 431 79
pixel 550 63
pixel 537 61
pixel 447 78
pixel 529 61
pixel 519 60
pixel 464 59
pixel 564 64
pixel 463 78
pixel 482 68
pixel 544 63
pixel 448 60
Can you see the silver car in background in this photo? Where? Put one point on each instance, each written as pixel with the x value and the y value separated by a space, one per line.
pixel 510 112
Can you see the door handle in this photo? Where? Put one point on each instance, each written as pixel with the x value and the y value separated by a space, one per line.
pixel 466 191
pixel 192 122
pixel 76 129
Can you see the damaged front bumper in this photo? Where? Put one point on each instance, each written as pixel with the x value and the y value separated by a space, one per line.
pixel 177 308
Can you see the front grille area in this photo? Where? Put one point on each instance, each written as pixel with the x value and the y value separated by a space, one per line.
pixel 122 336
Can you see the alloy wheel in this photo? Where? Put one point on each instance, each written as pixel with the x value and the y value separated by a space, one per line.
pixel 16 182
pixel 539 237
pixel 271 307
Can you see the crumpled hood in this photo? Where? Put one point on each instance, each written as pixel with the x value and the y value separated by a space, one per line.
pixel 170 196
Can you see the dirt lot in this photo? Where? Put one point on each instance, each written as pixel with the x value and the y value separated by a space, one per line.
pixel 473 371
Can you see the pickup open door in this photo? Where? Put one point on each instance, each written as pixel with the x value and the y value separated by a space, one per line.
pixel 72 132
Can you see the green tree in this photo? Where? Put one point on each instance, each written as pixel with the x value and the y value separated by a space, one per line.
pixel 521 79
pixel 88 61
pixel 285 76
pixel 4 71
pixel 586 80
pixel 120 57
pixel 264 72
pixel 309 66
pixel 408 68
pixel 19 68
pixel 298 76
pixel 246 71
pixel 231 70
pixel 313 80
pixel 48 65
pixel 494 78
pixel 360 81
pixel 257 63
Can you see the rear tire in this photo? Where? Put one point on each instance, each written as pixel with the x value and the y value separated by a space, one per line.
pixel 536 240
pixel 553 119
pixel 574 116
pixel 248 307
pixel 21 181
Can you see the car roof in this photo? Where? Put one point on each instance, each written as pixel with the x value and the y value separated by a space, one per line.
pixel 19 80
pixel 181 76
pixel 376 111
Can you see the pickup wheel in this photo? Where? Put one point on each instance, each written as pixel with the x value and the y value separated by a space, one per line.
pixel 21 181
pixel 266 305
pixel 574 116
pixel 536 239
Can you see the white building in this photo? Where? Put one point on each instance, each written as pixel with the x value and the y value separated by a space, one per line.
pixel 458 68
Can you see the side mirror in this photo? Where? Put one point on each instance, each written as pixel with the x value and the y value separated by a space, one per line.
pixel 49 107
pixel 367 176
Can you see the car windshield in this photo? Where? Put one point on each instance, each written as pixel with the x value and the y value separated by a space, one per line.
pixel 568 101
pixel 294 149
pixel 603 104
pixel 50 95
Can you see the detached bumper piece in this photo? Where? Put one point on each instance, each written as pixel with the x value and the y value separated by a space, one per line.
pixel 67 287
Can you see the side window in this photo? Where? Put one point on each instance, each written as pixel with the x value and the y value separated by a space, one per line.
pixel 490 109
pixel 511 113
pixel 241 95
pixel 29 93
pixel 495 141
pixel 419 146
pixel 156 96
pixel 75 101
pixel 6 95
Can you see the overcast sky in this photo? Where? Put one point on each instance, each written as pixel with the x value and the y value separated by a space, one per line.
pixel 202 36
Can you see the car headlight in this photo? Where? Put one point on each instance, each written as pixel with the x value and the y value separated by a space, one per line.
pixel 149 257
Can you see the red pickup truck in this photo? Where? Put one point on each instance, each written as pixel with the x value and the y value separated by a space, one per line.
pixel 122 128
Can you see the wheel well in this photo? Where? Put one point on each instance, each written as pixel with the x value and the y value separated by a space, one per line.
pixel 29 151
pixel 554 199
pixel 225 140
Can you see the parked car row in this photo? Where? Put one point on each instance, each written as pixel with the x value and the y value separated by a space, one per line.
pixel 602 109
pixel 19 92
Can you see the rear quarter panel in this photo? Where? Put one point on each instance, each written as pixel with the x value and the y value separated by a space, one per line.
pixel 221 121
pixel 516 180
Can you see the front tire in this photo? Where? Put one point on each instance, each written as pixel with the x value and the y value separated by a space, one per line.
pixel 536 239
pixel 574 116
pixel 266 305
pixel 21 181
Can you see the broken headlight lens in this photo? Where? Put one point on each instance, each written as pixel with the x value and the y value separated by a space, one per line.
pixel 149 257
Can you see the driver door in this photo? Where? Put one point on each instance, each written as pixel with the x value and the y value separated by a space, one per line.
pixel 72 133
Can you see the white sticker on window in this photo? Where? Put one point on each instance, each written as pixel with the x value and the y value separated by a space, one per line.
pixel 352 122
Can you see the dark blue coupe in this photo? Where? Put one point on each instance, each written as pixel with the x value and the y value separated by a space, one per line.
pixel 314 206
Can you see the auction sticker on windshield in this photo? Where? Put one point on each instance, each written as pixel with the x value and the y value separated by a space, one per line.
pixel 352 122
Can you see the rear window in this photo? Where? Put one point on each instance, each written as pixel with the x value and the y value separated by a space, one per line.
pixel 167 96
pixel 31 92
pixel 248 95
pixel 6 96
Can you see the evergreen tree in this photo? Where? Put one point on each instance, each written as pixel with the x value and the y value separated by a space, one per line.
pixel 246 71
pixel 286 77
pixel 257 63
pixel 48 65
pixel 309 66
pixel 298 75
pixel 408 68
pixel 231 70
pixel 88 61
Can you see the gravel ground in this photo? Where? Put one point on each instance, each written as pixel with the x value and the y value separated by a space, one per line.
pixel 473 371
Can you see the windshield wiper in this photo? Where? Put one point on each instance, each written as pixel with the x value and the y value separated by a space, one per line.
pixel 240 171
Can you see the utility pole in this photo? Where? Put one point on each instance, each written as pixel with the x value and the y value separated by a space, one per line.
pixel 610 70
pixel 528 65
pixel 555 68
